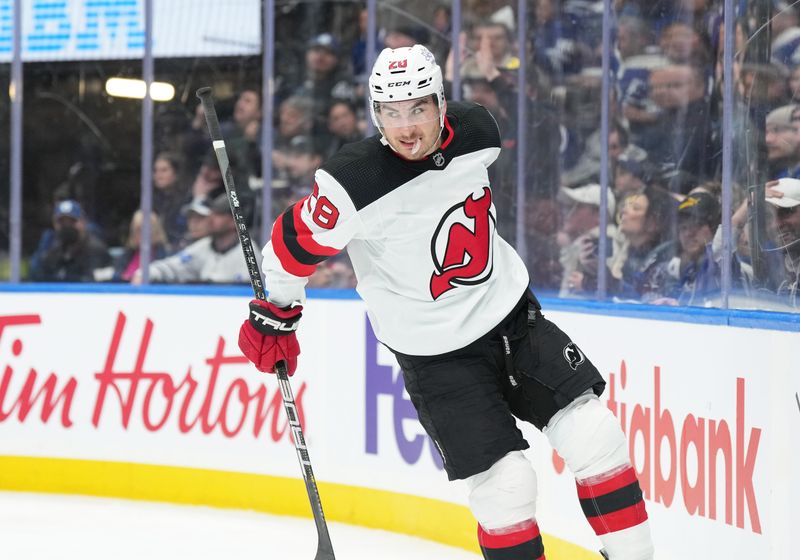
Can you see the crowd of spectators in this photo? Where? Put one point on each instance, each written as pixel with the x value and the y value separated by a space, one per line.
pixel 663 212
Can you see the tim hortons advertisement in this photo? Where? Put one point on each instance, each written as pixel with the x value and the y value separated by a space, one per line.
pixel 712 412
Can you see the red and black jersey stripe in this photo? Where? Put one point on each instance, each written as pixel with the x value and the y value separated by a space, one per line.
pixel 294 244
pixel 614 504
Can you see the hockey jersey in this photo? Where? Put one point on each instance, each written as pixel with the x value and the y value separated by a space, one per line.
pixel 421 235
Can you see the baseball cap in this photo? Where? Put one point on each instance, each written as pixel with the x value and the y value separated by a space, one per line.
pixel 782 116
pixel 325 41
pixel 220 204
pixel 700 207
pixel 201 206
pixel 791 193
pixel 634 160
pixel 300 144
pixel 68 208
pixel 587 194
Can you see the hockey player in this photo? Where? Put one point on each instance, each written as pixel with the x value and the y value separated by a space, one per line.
pixel 450 298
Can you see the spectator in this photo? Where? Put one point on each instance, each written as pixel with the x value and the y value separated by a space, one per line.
pixel 243 138
pixel 579 259
pixel 303 158
pixel 785 35
pixel 633 37
pixel 125 266
pixel 488 50
pixel 633 172
pixel 681 43
pixel 198 224
pixel 784 197
pixel 169 195
pixel 633 74
pixel 324 79
pixel 764 86
pixel 294 119
pixel 783 143
pixel 683 134
pixel 343 126
pixel 74 253
pixel 644 244
pixel 587 169
pixel 556 48
pixel 216 258
pixel 491 10
pixel 692 276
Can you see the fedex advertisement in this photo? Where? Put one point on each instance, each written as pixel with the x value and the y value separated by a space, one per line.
pixel 712 413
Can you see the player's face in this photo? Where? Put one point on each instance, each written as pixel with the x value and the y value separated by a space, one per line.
pixel 411 127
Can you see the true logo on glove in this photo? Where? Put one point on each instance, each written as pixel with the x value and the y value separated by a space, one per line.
pixel 270 322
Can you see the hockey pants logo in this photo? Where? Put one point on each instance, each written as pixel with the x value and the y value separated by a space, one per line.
pixel 573 355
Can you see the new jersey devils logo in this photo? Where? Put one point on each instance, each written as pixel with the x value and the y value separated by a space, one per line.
pixel 462 245
pixel 573 355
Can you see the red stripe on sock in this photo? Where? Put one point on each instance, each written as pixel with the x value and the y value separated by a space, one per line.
pixel 619 520
pixel 624 478
pixel 507 540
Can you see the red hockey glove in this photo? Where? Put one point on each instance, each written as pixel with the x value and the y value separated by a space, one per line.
pixel 268 335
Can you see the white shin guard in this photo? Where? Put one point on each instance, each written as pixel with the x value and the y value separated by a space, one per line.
pixel 504 496
pixel 588 437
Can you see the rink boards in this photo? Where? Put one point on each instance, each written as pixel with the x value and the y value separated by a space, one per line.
pixel 146 396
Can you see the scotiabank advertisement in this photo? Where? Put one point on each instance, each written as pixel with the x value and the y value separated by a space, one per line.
pixel 712 412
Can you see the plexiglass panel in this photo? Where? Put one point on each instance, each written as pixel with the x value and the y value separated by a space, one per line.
pixel 537 66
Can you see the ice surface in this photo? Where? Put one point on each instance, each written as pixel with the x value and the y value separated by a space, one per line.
pixel 44 527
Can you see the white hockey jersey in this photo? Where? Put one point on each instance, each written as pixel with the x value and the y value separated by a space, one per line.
pixel 421 235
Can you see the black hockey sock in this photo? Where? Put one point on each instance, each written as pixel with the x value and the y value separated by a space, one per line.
pixel 523 542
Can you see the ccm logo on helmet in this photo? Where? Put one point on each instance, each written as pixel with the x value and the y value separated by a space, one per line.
pixel 393 84
pixel 397 64
pixel 270 322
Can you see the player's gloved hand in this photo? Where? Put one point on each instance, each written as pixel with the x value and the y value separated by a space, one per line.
pixel 268 335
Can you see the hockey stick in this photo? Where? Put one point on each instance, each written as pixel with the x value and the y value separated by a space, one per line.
pixel 324 546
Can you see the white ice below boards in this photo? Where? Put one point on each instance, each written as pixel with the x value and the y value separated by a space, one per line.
pixel 43 527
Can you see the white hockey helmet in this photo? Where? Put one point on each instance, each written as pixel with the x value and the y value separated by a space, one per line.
pixel 403 74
